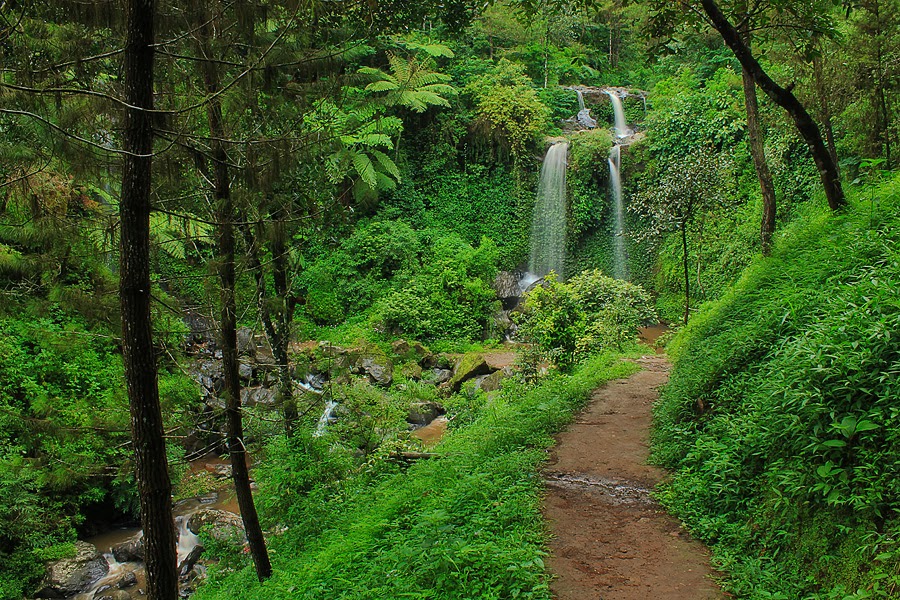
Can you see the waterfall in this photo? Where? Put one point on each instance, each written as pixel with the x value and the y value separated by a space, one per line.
pixel 548 229
pixel 620 263
pixel 325 419
pixel 584 114
pixel 619 112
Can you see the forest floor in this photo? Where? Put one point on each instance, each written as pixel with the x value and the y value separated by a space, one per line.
pixel 611 540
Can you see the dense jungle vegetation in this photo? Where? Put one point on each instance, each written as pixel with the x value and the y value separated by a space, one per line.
pixel 339 190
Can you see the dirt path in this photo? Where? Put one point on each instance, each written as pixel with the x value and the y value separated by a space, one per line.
pixel 611 540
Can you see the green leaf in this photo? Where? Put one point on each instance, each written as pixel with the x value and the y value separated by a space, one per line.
pixel 365 168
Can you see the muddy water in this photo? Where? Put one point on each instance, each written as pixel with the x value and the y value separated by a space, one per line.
pixel 651 334
pixel 432 433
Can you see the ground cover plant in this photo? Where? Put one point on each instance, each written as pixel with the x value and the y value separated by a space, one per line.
pixel 781 418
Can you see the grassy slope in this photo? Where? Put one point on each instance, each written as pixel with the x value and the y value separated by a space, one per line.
pixel 467 525
pixel 782 417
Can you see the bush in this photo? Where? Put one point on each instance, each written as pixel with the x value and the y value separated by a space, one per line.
pixel 588 314
pixel 449 297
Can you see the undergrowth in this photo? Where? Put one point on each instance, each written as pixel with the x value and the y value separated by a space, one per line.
pixel 781 417
pixel 465 525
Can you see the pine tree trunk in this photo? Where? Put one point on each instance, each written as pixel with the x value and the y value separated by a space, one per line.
pixel 282 339
pixel 784 98
pixel 151 466
pixel 232 389
pixel 277 332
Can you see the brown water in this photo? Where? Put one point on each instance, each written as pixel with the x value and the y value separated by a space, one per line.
pixel 432 433
pixel 650 335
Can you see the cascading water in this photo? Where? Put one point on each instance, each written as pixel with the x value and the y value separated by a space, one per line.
pixel 620 262
pixel 548 229
pixel 584 115
pixel 619 114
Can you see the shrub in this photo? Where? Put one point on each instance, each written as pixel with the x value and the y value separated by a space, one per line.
pixel 589 313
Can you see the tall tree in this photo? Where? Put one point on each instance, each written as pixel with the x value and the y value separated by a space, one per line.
pixel 151 466
pixel 225 217
pixel 783 97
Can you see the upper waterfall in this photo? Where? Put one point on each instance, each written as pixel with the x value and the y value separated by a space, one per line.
pixel 619 113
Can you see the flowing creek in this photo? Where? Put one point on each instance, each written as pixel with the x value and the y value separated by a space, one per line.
pixel 126 579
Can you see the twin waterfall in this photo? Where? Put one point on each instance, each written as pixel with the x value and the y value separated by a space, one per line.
pixel 548 230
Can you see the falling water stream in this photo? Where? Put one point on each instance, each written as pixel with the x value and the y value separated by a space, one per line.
pixel 548 230
pixel 620 262
pixel 622 130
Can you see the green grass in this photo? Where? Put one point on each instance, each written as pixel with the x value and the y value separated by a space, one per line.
pixel 466 525
pixel 782 416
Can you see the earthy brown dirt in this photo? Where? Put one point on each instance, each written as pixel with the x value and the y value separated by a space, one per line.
pixel 610 539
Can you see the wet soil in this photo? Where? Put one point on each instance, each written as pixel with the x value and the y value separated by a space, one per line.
pixel 611 540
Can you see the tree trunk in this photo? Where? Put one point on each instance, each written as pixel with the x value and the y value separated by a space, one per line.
pixel 232 389
pixel 285 315
pixel 784 98
pixel 151 466
pixel 277 327
pixel 687 273
pixel 757 150
pixel 826 111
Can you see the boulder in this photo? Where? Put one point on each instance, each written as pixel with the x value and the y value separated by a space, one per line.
pixel 127 580
pixel 423 413
pixel 411 371
pixel 437 376
pixel 401 348
pixel 187 565
pixel 69 576
pixel 379 369
pixel 130 550
pixel 222 525
pixel 257 396
pixel 246 344
pixel 468 367
pixel 245 371
pixel 490 383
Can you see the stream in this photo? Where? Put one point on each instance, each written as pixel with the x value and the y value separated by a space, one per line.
pixel 126 579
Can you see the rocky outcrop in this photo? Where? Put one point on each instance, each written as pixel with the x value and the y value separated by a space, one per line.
pixel 220 524
pixel 423 413
pixel 69 576
pixel 468 367
pixel 130 550
pixel 506 286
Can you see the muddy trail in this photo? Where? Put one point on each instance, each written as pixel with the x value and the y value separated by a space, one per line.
pixel 611 540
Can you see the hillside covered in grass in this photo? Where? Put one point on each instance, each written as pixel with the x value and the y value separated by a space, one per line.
pixel 781 420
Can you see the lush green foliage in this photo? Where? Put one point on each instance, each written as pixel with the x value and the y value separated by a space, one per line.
pixel 780 418
pixel 466 524
pixel 587 314
pixel 423 284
